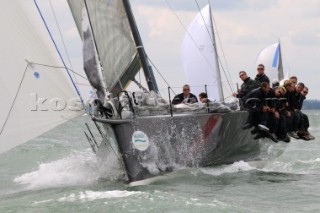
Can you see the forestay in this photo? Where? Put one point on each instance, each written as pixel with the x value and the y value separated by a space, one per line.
pixel 113 39
pixel 270 57
pixel 199 56
pixel 34 98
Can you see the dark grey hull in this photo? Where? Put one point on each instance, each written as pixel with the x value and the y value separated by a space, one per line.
pixel 183 140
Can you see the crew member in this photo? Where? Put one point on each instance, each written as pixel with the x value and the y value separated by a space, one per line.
pixel 277 122
pixel 185 97
pixel 255 103
pixel 303 132
pixel 296 118
pixel 203 97
pixel 261 76
pixel 247 86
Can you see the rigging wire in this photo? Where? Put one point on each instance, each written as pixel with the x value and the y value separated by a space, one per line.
pixel 53 41
pixel 74 72
pixel 15 98
pixel 158 71
pixel 64 45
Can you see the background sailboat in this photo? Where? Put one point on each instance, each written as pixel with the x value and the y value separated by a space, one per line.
pixel 271 58
pixel 199 56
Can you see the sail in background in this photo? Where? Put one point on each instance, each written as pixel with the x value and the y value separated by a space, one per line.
pixel 34 98
pixel 271 58
pixel 199 57
pixel 113 38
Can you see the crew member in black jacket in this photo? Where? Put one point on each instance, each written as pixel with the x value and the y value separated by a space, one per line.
pixel 256 104
pixel 278 124
pixel 247 86
pixel 297 105
pixel 261 76
pixel 185 97
pixel 290 115
pixel 297 116
pixel 303 130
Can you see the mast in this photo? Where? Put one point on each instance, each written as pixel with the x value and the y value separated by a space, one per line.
pixel 280 67
pixel 152 85
pixel 216 59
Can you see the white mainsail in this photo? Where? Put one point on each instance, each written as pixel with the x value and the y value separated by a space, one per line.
pixel 270 57
pixel 199 56
pixel 34 98
pixel 113 39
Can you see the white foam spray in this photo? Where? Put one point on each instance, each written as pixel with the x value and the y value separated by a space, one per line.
pixel 228 169
pixel 96 195
pixel 79 168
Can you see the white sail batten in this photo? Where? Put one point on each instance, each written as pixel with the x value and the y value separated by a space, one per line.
pixel 34 98
pixel 113 38
pixel 270 57
pixel 199 57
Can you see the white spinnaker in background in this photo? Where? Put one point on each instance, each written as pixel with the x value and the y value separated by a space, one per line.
pixel 270 57
pixel 199 57
pixel 24 86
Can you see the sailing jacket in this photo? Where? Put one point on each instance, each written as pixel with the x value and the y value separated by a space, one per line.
pixel 261 78
pixel 290 99
pixel 302 98
pixel 178 99
pixel 259 94
pixel 246 87
pixel 297 104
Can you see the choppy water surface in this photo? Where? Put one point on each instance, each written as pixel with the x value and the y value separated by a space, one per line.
pixel 58 172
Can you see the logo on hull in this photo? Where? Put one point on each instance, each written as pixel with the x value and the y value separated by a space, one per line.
pixel 140 141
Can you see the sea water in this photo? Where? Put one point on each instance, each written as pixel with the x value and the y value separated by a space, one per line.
pixel 58 172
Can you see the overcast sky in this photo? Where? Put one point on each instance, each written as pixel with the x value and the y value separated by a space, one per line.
pixel 244 27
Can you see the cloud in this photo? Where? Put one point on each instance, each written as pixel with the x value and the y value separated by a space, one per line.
pixel 309 36
pixel 244 27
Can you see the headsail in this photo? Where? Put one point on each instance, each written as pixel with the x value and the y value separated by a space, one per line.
pixel 271 58
pixel 113 38
pixel 90 59
pixel 34 96
pixel 199 56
